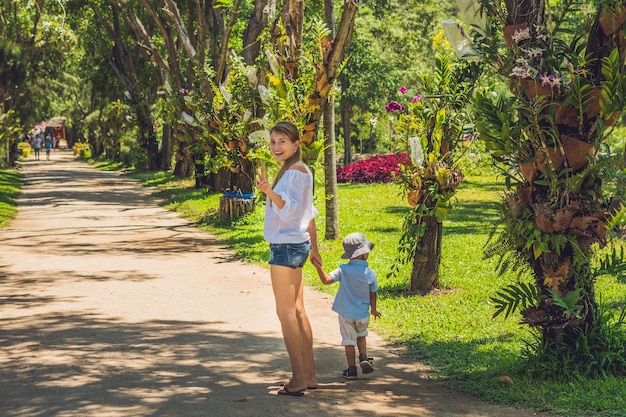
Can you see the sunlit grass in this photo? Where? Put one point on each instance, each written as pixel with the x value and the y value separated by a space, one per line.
pixel 10 182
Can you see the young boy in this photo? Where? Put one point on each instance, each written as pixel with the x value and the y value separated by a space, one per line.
pixel 355 297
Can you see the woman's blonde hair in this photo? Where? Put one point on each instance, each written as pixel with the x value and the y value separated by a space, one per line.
pixel 291 131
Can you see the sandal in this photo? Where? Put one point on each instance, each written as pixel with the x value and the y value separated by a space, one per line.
pixel 282 384
pixel 285 391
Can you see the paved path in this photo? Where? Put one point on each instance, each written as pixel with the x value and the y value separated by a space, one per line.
pixel 112 306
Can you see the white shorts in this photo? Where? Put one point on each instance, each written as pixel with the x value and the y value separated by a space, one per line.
pixel 350 329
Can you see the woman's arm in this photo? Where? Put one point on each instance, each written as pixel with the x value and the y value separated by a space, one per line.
pixel 316 259
pixel 275 198
pixel 264 186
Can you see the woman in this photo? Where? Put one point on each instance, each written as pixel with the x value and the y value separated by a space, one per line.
pixel 290 230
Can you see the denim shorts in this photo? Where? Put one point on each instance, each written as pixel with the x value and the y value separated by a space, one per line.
pixel 292 255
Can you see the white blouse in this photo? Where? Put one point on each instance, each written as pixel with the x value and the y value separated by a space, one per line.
pixel 290 224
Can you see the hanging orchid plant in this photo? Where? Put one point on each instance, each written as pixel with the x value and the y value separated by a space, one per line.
pixel 563 62
pixel 433 127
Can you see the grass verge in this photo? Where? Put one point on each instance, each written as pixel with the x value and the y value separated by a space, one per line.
pixel 10 183
pixel 451 328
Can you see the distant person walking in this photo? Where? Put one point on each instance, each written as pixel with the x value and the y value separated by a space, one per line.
pixel 48 146
pixel 354 300
pixel 37 140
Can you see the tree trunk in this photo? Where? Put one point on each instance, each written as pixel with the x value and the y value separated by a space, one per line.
pixel 201 177
pixel 147 136
pixel 330 151
pixel 220 181
pixel 425 273
pixel 243 181
pixel 256 24
pixel 166 147
pixel 184 163
pixel 346 117
pixel 330 173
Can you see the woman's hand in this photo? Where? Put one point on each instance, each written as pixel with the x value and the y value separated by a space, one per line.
pixel 316 259
pixel 261 180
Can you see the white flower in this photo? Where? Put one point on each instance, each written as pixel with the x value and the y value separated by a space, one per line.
pixel 258 136
pixel 521 35
pixel 533 53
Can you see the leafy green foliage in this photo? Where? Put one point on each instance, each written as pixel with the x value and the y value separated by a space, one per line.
pixel 10 131
pixel 613 264
pixel 12 66
pixel 513 297
pixel 570 303
pixel 617 217
pixel 368 76
pixel 506 240
pixel 598 351
pixel 42 47
pixel 495 126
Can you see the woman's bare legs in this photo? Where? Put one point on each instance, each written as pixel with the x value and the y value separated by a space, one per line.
pixel 297 333
pixel 307 336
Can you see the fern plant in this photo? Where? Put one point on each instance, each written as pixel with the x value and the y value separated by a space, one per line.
pixel 514 297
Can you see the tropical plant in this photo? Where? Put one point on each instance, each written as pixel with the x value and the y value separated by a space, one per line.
pixel 9 137
pixel 564 64
pixel 432 127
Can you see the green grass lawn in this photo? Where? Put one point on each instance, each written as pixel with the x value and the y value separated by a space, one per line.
pixel 10 182
pixel 451 328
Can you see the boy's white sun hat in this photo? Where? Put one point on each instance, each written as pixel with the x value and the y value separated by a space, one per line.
pixel 356 244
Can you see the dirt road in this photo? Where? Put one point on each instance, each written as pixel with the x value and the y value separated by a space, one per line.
pixel 112 306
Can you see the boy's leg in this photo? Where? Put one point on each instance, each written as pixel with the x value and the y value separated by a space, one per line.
pixel 350 356
pixel 351 372
pixel 348 340
pixel 364 361
pixel 361 344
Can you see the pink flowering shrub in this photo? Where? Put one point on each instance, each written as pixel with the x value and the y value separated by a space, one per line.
pixel 378 168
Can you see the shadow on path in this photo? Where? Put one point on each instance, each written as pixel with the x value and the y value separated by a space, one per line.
pixel 112 306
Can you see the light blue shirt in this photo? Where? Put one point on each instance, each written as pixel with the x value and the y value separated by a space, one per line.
pixel 357 281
